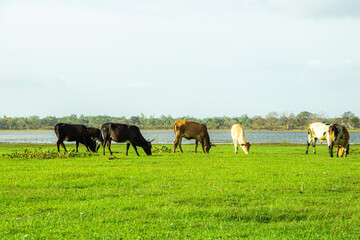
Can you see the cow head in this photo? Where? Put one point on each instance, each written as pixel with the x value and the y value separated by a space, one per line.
pixel 147 147
pixel 208 146
pixel 341 151
pixel 92 145
pixel 246 147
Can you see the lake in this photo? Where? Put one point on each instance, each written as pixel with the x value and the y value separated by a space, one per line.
pixel 167 137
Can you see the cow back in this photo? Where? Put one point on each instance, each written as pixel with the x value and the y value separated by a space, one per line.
pixel 71 132
pixel 123 133
pixel 318 130
pixel 237 132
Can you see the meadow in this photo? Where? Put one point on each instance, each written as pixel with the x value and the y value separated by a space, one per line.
pixel 275 192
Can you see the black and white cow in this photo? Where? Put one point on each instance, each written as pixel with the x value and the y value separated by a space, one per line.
pixel 318 131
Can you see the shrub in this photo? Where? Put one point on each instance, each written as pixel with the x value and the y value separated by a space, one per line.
pixel 45 154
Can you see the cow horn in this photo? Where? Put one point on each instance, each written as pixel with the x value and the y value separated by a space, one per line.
pixel 152 140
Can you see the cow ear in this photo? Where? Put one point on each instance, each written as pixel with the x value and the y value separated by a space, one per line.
pixel 213 145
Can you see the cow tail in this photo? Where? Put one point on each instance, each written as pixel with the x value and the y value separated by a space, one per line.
pixel 331 132
pixel 57 130
pixel 102 137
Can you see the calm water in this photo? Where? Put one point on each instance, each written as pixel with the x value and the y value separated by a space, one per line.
pixel 167 137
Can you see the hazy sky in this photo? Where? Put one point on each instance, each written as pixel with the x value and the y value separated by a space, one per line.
pixel 202 58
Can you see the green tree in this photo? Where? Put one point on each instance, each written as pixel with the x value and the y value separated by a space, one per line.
pixel 22 123
pixel 350 120
pixel 10 122
pixel 244 120
pixel 303 119
pixel 34 122
pixel 258 122
pixel 135 120
pixel 49 121
pixel 272 121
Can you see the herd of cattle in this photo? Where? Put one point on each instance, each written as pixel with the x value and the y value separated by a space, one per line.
pixel 335 135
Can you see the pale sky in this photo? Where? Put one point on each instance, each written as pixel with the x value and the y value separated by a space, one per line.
pixel 201 58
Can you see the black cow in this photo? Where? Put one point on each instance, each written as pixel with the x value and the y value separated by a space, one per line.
pixel 77 133
pixel 96 134
pixel 124 133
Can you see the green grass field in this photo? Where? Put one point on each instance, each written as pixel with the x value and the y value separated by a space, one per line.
pixel 275 192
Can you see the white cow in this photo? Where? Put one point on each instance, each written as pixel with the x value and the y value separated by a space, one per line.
pixel 318 131
pixel 238 137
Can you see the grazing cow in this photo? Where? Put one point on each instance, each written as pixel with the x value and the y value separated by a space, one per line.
pixel 318 131
pixel 340 139
pixel 192 130
pixel 96 134
pixel 238 137
pixel 77 133
pixel 124 133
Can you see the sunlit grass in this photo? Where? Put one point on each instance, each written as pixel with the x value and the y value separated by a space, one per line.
pixel 274 192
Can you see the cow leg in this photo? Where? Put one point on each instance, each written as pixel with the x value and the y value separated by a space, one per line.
pixel 314 148
pixel 59 142
pixel 331 149
pixel 109 145
pixel 236 145
pixel 104 144
pixel 203 146
pixel 77 146
pixel 175 144
pixel 314 144
pixel 63 145
pixel 58 145
pixel 196 145
pixel 347 150
pixel 134 146
pixel 127 148
pixel 180 140
pixel 307 148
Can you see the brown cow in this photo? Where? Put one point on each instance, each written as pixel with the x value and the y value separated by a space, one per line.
pixel 192 130
pixel 340 138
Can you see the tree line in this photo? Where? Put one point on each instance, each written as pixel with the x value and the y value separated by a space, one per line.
pixel 272 121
